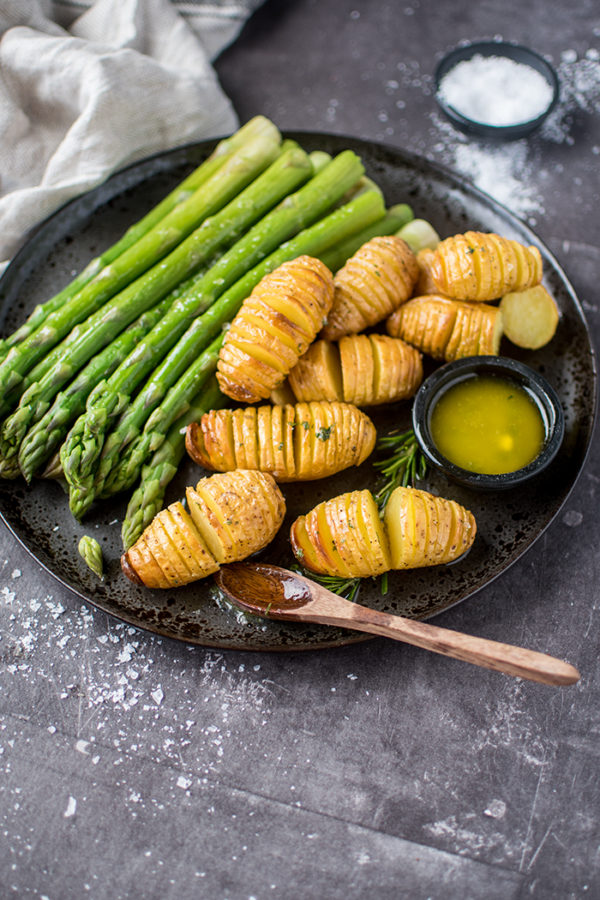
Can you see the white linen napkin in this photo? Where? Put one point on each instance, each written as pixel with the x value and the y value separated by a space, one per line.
pixel 127 79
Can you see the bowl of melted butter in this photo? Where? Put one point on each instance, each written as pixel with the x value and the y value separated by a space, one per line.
pixel 488 422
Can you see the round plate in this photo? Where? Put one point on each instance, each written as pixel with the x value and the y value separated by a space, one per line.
pixel 508 522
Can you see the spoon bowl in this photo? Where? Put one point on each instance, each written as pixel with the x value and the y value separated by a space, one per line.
pixel 276 593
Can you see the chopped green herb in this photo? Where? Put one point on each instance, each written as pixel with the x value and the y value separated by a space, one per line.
pixel 323 434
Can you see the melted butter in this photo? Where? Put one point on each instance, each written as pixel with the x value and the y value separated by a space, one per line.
pixel 487 424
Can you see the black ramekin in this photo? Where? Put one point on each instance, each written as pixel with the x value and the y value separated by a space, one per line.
pixel 519 54
pixel 540 391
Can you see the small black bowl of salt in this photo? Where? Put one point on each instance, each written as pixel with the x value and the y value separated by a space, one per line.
pixel 495 89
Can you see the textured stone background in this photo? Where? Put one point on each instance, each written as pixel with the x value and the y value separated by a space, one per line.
pixel 137 767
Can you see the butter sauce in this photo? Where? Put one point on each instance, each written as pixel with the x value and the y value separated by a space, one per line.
pixel 487 424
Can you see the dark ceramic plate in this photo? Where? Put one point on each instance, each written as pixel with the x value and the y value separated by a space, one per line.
pixel 508 522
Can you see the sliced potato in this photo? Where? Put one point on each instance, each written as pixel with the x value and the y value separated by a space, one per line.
pixel 231 516
pixel 293 443
pixel 375 281
pixel 169 553
pixel 342 536
pixel 425 530
pixel 367 370
pixel 448 329
pixel 234 512
pixel 477 266
pixel 345 535
pixel 273 328
pixel 530 317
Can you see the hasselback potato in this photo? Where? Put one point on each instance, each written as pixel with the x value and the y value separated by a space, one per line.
pixel 425 283
pixel 296 442
pixel 366 370
pixel 342 536
pixel 273 328
pixel 372 284
pixel 231 516
pixel 476 266
pixel 448 329
pixel 345 536
pixel 425 530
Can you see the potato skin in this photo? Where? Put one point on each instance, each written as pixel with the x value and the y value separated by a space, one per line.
pixel 231 516
pixel 448 329
pixel 345 536
pixel 273 328
pixel 148 561
pixel 374 282
pixel 366 370
pixel 477 266
pixel 342 536
pixel 237 513
pixel 299 442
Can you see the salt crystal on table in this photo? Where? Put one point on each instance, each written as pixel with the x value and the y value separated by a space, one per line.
pixel 495 90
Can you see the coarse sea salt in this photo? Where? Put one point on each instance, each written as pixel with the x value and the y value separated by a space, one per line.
pixel 495 90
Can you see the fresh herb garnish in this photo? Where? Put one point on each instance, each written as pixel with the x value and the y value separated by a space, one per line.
pixel 402 466
pixel 323 434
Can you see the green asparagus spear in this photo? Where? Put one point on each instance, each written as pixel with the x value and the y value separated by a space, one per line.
pixel 84 443
pixel 315 241
pixel 41 441
pixel 204 368
pixel 289 170
pixel 147 499
pixel 224 149
pixel 91 553
pixel 238 171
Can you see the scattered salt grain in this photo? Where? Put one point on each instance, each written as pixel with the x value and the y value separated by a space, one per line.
pixel 71 807
pixel 157 695
pixel 496 90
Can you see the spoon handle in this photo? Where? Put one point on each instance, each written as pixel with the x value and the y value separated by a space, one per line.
pixel 501 657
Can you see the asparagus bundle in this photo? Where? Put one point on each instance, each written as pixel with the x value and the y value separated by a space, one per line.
pixel 224 149
pixel 147 499
pixel 236 172
pixel 290 169
pixel 44 438
pixel 125 464
pixel 81 451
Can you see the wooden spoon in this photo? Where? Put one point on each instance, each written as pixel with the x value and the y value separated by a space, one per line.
pixel 277 593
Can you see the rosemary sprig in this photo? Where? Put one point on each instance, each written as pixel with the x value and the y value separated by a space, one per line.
pixel 403 464
pixel 338 584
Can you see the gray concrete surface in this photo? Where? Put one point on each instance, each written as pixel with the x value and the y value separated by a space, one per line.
pixel 136 767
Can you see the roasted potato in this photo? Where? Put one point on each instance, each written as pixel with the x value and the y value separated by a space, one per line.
pixel 425 283
pixel 342 536
pixel 231 516
pixel 345 535
pixel 297 442
pixel 373 283
pixel 273 328
pixel 476 266
pixel 448 329
pixel 366 370
pixel 425 530
pixel 530 317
